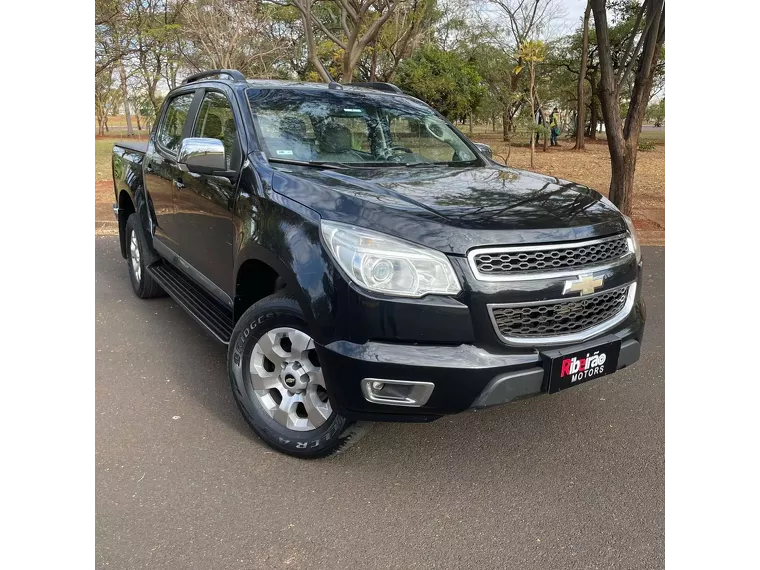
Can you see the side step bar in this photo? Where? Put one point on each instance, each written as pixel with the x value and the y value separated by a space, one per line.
pixel 202 307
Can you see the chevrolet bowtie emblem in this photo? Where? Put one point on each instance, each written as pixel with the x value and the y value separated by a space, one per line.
pixel 585 285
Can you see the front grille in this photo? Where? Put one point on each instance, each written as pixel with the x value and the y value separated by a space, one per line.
pixel 558 317
pixel 514 260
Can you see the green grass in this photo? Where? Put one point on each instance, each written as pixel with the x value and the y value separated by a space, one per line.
pixel 103 148
pixel 655 137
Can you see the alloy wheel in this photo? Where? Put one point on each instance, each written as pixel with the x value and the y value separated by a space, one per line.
pixel 134 254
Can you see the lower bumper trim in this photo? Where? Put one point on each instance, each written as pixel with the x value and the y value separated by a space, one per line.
pixel 512 386
pixel 516 385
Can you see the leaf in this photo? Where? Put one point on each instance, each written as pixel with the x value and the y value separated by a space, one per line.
pixel 518 69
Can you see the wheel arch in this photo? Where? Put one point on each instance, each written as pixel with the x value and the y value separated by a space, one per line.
pixel 260 272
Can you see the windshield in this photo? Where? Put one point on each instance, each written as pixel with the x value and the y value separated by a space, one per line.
pixel 356 129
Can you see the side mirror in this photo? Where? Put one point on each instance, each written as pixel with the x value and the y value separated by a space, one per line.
pixel 484 149
pixel 203 156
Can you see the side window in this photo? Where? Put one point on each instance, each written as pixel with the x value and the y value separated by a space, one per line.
pixel 170 133
pixel 216 121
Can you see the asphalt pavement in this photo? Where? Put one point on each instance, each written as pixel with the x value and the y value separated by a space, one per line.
pixel 571 480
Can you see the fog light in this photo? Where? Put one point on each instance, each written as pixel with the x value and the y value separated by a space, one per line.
pixel 396 392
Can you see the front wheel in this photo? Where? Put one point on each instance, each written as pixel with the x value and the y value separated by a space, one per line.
pixel 278 384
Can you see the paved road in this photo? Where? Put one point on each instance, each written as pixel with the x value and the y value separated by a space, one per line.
pixel 573 480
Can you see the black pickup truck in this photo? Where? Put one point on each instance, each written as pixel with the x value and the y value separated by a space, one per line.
pixel 365 261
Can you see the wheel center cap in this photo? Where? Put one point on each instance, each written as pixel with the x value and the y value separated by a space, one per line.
pixel 294 377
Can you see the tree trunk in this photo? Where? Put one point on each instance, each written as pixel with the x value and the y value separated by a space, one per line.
pixel 127 116
pixel 137 118
pixel 373 65
pixel 594 116
pixel 311 45
pixel 493 120
pixel 580 120
pixel 532 114
pixel 623 140
pixel 505 126
pixel 621 183
pixel 470 132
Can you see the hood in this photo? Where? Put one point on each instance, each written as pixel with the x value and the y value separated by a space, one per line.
pixel 454 209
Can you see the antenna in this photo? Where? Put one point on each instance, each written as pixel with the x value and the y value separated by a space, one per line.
pixel 332 84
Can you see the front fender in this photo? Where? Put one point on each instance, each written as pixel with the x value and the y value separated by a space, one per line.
pixel 285 235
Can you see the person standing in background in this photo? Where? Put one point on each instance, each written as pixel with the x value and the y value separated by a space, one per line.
pixel 554 126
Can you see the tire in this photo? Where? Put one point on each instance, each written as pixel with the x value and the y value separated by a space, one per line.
pixel 139 258
pixel 278 384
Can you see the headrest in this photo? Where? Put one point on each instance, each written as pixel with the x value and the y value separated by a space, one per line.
pixel 292 128
pixel 334 137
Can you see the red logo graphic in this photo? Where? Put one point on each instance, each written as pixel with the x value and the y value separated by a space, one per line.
pixel 575 365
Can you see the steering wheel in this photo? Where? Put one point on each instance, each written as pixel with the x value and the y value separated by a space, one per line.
pixel 389 151
pixel 435 129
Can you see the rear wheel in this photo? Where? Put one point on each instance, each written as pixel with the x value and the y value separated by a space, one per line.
pixel 139 258
pixel 278 383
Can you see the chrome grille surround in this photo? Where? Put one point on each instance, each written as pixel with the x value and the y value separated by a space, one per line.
pixel 523 262
pixel 560 321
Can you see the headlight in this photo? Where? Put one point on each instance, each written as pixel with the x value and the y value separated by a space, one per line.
pixel 380 263
pixel 633 241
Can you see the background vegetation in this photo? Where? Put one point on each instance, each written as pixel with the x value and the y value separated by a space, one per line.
pixel 490 65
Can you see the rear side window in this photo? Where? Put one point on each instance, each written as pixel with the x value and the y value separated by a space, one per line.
pixel 217 121
pixel 170 133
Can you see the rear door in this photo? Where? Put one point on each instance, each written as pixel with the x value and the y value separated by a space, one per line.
pixel 204 225
pixel 161 172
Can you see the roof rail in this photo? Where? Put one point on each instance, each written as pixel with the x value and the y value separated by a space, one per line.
pixel 379 85
pixel 234 74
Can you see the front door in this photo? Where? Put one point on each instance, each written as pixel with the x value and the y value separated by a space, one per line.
pixel 161 172
pixel 204 202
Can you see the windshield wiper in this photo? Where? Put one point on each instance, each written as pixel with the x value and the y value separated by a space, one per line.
pixel 309 163
pixel 443 163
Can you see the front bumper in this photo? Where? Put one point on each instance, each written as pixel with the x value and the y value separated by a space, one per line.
pixel 464 376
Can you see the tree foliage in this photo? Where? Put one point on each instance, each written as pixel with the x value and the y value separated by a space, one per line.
pixel 443 79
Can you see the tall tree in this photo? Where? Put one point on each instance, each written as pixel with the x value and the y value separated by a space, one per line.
pixel 525 19
pixel 105 96
pixel 359 22
pixel 640 60
pixel 157 30
pixel 230 34
pixel 443 79
pixel 580 122
pixel 532 52
pixel 125 95
pixel 305 8
pixel 399 37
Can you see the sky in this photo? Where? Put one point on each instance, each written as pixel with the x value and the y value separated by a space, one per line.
pixel 575 9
